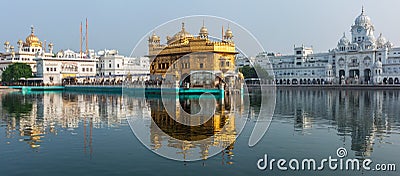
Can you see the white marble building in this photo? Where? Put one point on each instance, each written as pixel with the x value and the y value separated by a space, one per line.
pixel 361 59
pixel 111 64
pixel 65 67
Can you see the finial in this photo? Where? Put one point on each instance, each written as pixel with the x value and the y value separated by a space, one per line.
pixel 344 34
pixel 362 10
pixel 203 22
pixel 32 29
pixel 183 26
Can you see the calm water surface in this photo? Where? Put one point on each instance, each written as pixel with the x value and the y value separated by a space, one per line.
pixel 62 133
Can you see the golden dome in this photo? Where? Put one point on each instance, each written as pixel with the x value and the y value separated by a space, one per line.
pixel 154 38
pixel 182 34
pixel 6 43
pixel 203 30
pixel 32 40
pixel 228 33
pixel 20 42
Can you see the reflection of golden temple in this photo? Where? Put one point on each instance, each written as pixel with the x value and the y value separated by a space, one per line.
pixel 218 131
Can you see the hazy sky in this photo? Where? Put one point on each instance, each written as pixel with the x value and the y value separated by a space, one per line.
pixel 117 24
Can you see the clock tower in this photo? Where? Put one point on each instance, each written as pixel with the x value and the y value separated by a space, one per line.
pixel 362 30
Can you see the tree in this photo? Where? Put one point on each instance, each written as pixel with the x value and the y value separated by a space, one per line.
pixel 16 71
pixel 250 72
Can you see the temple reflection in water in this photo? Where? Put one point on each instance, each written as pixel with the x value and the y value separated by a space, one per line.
pixel 365 117
pixel 201 123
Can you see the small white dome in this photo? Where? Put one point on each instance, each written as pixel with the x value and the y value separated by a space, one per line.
pixel 381 40
pixel 363 19
pixel 344 40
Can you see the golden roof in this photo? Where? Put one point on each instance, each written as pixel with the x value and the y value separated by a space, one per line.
pixel 32 40
pixel 181 34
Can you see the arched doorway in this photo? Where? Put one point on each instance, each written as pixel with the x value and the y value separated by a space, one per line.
pixel 342 75
pixel 294 81
pixel 396 80
pixel 390 80
pixel 367 75
pixel 385 80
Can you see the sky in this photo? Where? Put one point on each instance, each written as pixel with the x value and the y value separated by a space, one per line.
pixel 119 24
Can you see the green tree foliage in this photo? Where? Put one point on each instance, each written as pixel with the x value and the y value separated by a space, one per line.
pixel 16 71
pixel 250 72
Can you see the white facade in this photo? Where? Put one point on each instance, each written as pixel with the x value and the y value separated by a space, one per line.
pixel 111 64
pixel 360 60
pixel 66 65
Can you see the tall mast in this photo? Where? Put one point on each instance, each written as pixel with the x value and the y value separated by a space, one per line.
pixel 80 49
pixel 222 37
pixel 86 38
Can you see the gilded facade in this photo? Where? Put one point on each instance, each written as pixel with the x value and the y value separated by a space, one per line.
pixel 195 60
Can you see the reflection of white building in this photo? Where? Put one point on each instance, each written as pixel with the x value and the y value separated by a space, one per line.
pixel 25 53
pixel 360 59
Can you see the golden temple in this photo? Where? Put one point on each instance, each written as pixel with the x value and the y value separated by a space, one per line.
pixel 193 58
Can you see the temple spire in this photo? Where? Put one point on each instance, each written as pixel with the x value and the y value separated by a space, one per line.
pixel 32 29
